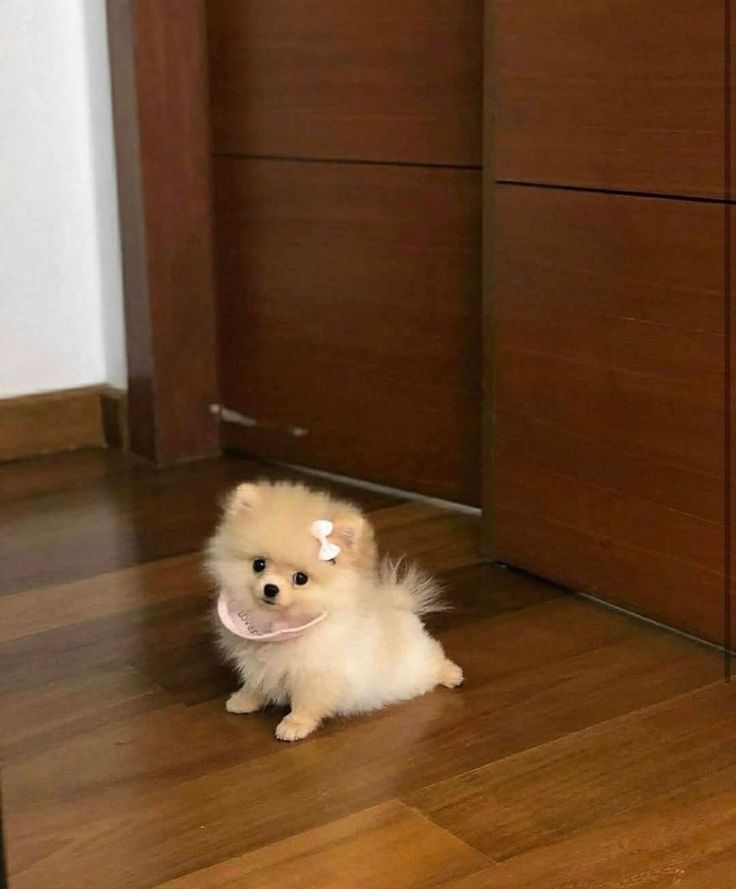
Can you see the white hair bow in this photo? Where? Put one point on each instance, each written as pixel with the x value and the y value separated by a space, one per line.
pixel 322 529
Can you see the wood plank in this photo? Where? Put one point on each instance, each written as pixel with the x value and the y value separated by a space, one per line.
pixel 125 800
pixel 729 567
pixel 172 631
pixel 684 838
pixel 50 422
pixel 50 512
pixel 160 103
pixel 476 592
pixel 40 717
pixel 488 295
pixel 34 612
pixel 349 307
pixel 350 80
pixel 621 94
pixel 55 473
pixel 388 845
pixel 438 539
pixel 545 796
pixel 608 449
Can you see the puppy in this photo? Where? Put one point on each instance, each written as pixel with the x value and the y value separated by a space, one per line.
pixel 310 617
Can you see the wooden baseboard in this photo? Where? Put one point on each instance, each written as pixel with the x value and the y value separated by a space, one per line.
pixel 93 416
pixel 114 407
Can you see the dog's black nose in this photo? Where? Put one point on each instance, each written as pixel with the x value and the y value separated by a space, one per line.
pixel 270 590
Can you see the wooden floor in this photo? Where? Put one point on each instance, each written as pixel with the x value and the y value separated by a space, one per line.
pixel 585 749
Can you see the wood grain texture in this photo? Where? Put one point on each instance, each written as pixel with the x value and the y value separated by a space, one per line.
pixel 50 510
pixel 729 590
pixel 364 81
pixel 159 77
pixel 39 715
pixel 50 422
pixel 608 454
pixel 114 408
pixel 56 473
pixel 547 795
pixel 488 297
pixel 349 306
pixel 111 789
pixel 612 94
pixel 45 609
pixel 443 541
pixel 120 767
pixel 370 849
pixel 681 835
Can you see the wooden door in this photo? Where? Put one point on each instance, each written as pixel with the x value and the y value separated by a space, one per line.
pixel 609 295
pixel 611 94
pixel 609 398
pixel 346 154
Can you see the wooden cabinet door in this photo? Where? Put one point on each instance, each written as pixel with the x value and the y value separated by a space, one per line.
pixel 378 80
pixel 611 94
pixel 350 309
pixel 609 428
pixel 729 604
pixel 347 163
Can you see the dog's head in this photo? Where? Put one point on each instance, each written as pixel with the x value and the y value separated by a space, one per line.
pixel 268 552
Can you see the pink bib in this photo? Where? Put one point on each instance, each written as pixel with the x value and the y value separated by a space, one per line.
pixel 262 627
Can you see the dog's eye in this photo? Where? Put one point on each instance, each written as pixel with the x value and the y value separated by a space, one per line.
pixel 300 578
pixel 259 565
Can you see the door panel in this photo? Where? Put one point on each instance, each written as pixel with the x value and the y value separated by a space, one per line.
pixel 349 307
pixel 347 151
pixel 375 80
pixel 616 94
pixel 608 469
pixel 729 603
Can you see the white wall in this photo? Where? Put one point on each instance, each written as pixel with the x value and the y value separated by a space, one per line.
pixel 60 280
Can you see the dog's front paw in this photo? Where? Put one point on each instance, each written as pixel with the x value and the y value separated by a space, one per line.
pixel 294 727
pixel 243 701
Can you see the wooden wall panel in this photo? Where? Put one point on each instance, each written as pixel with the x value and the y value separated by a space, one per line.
pixel 349 305
pixel 608 468
pixel 51 422
pixel 159 76
pixel 375 80
pixel 616 94
pixel 729 604
pixel 730 359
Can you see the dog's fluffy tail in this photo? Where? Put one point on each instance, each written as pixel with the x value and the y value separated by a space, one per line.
pixel 410 587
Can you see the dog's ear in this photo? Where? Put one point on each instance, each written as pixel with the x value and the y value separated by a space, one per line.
pixel 349 528
pixel 242 500
pixel 354 533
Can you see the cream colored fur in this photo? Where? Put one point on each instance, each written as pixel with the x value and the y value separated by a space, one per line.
pixel 372 648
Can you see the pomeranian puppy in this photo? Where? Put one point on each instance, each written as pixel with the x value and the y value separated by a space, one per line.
pixel 310 617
